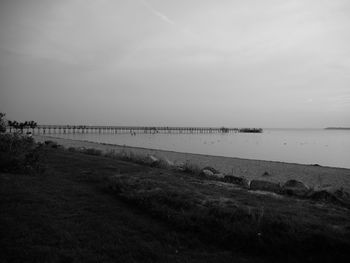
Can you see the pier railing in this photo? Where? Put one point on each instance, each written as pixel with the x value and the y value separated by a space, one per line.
pixel 82 129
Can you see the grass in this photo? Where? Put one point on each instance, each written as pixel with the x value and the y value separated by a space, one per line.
pixel 268 230
pixel 88 207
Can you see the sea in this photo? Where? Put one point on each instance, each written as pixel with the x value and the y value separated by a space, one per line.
pixel 304 146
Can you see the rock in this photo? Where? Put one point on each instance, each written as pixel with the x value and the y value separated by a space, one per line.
pixel 264 186
pixel 266 174
pixel 213 170
pixel 237 180
pixel 337 192
pixel 151 160
pixel 246 183
pixel 294 187
pixel 164 163
pixel 220 175
pixel 207 173
pixel 233 179
pixel 180 167
pixel 169 163
pixel 51 144
pixel 324 196
pixel 340 193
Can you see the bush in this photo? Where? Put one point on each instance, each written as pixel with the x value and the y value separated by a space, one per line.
pixel 19 154
pixel 2 123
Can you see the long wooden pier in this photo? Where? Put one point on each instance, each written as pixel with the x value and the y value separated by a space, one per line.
pixel 82 129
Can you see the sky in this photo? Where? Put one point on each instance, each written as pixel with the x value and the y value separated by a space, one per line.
pixel 252 63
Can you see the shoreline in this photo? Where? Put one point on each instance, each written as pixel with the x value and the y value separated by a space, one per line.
pixel 280 172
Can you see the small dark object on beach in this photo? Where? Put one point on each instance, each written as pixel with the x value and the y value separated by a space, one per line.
pixel 51 144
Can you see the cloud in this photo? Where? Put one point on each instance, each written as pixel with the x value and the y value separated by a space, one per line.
pixel 157 13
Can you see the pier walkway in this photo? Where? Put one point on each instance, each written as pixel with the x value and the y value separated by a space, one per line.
pixel 72 129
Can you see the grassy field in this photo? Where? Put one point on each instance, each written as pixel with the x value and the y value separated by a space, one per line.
pixel 91 208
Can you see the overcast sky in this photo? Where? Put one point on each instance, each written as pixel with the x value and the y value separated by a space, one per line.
pixel 271 63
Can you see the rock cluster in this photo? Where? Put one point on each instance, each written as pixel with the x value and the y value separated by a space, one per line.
pixel 290 188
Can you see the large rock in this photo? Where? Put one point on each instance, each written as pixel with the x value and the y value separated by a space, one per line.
pixel 294 187
pixel 265 186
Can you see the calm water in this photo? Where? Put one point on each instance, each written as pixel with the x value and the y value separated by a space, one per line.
pixel 324 147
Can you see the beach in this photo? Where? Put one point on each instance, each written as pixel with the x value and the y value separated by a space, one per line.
pixel 313 176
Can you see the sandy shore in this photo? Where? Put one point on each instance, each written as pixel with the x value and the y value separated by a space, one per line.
pixel 313 176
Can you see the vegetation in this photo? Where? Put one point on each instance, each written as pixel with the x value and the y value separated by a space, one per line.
pixel 20 126
pixel 224 130
pixel 89 207
pixel 20 154
pixel 2 123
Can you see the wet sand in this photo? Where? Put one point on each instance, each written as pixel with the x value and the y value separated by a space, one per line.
pixel 313 176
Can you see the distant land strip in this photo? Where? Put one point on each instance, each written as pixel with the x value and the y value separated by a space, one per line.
pixel 337 128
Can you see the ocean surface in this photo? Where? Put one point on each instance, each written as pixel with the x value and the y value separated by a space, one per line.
pixel 305 146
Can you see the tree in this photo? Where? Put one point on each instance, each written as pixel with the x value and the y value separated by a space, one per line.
pixel 2 123
pixel 20 125
pixel 32 124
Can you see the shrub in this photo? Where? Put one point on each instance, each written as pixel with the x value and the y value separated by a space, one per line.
pixel 2 123
pixel 19 154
